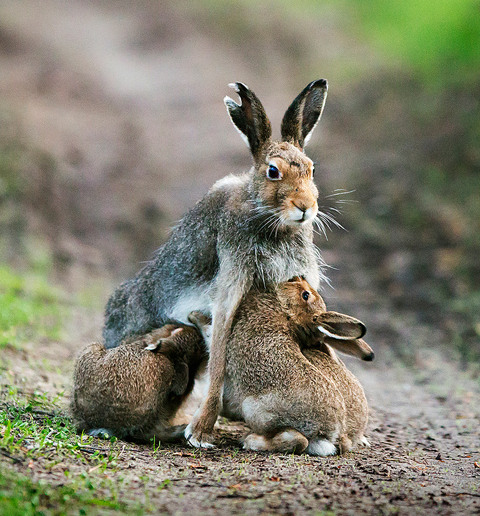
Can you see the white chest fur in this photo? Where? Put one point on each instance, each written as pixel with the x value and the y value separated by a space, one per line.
pixel 197 298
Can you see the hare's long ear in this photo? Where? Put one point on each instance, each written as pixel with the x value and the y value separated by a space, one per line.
pixel 249 118
pixel 356 348
pixel 340 326
pixel 304 113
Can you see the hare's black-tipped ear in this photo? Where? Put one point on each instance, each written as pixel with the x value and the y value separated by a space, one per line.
pixel 249 118
pixel 304 113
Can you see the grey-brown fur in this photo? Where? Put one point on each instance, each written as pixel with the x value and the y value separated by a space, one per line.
pixel 291 399
pixel 132 392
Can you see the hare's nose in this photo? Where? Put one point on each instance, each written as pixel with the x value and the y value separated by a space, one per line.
pixel 301 208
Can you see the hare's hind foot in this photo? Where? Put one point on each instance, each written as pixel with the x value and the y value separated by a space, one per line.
pixel 321 447
pixel 288 441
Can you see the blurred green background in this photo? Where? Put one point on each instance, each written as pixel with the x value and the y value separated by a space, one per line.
pixel 112 125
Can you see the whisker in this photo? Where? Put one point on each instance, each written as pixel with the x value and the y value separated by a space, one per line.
pixel 268 222
pixel 321 226
pixel 328 219
pixel 336 210
pixel 281 221
pixel 339 192
pixel 345 201
pixel 322 233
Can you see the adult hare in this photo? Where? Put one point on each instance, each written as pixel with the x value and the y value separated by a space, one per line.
pixel 255 229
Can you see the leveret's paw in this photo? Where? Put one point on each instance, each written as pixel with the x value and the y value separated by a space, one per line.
pixel 198 439
pixel 101 433
pixel 255 442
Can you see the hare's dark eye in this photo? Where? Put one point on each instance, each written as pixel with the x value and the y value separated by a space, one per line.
pixel 305 295
pixel 273 173
pixel 313 171
pixel 315 318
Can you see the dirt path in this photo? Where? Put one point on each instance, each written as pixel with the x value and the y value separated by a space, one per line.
pixel 116 111
pixel 424 456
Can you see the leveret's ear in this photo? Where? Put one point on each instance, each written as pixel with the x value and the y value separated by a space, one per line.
pixel 164 344
pixel 356 348
pixel 249 118
pixel 304 113
pixel 295 279
pixel 340 326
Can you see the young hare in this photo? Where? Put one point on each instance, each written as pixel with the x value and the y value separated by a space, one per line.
pixel 134 390
pixel 291 400
pixel 250 230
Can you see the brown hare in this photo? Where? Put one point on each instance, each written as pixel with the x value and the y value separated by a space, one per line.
pixel 134 390
pixel 283 377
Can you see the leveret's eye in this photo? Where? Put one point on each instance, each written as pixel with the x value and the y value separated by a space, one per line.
pixel 313 171
pixel 305 295
pixel 315 318
pixel 273 173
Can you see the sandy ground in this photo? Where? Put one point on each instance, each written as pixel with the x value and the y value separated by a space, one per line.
pixel 424 456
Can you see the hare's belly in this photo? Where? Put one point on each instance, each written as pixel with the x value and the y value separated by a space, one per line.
pixel 195 298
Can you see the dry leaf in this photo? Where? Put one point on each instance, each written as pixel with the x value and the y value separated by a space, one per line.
pixel 197 466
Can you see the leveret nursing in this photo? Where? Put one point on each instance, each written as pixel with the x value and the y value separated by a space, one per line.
pixel 134 390
pixel 283 377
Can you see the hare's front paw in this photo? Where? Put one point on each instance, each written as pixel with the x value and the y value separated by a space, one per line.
pixel 198 439
pixel 364 441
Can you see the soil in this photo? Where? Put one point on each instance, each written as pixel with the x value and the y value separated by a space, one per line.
pixel 110 116
pixel 424 456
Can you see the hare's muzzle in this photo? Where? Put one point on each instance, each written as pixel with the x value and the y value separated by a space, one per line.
pixel 301 204
pixel 301 211
pixel 301 215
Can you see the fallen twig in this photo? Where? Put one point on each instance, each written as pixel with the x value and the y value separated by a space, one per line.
pixel 16 460
pixel 461 494
pixel 43 412
pixel 91 449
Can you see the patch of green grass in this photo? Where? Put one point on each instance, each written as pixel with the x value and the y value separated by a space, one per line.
pixel 440 39
pixel 20 495
pixel 29 307
pixel 35 432
pixel 32 425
